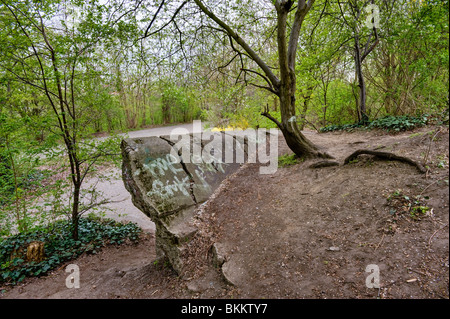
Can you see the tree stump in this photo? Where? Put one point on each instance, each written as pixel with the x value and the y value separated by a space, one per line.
pixel 35 251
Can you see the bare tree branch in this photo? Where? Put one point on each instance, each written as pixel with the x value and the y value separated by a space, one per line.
pixel 270 88
pixel 253 55
pixel 147 34
pixel 270 117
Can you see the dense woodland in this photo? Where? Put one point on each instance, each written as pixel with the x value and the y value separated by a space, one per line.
pixel 70 69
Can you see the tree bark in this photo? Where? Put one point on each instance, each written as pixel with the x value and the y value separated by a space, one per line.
pixel 306 100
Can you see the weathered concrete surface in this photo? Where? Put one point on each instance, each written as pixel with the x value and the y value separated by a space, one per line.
pixel 168 184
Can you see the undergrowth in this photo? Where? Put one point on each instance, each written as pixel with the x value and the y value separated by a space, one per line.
pixel 413 206
pixel 59 247
pixel 388 123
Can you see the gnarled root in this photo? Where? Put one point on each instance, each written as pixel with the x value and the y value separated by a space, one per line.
pixel 386 156
pixel 325 163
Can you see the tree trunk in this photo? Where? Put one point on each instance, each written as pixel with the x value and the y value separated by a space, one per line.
pixel 361 83
pixel 306 99
pixel 296 141
pixel 75 210
pixel 75 170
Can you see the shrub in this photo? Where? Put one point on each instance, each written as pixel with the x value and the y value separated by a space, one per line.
pixel 343 127
pixel 388 123
pixel 399 123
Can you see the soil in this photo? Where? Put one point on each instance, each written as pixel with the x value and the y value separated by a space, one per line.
pixel 298 233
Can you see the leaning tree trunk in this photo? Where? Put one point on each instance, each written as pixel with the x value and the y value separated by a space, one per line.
pixel 296 141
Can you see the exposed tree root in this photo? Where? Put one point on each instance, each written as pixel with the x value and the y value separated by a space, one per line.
pixel 321 164
pixel 386 156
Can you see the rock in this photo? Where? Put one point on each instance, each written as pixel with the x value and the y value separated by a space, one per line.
pixel 172 234
pixel 334 249
pixel 158 184
pixel 193 287
pixel 218 255
pixel 168 182
pixel 208 172
pixel 233 273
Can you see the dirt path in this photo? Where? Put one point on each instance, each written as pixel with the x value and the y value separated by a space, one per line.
pixel 305 233
pixel 300 233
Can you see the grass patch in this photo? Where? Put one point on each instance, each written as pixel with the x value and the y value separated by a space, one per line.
pixel 287 160
pixel 59 247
